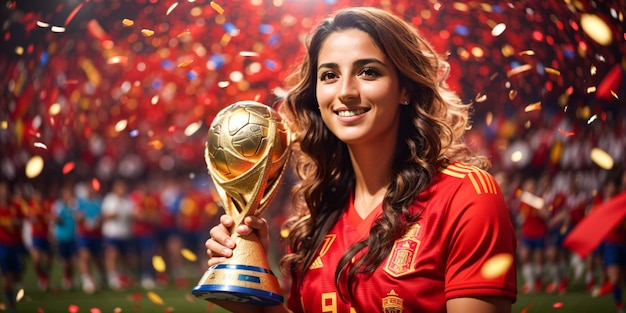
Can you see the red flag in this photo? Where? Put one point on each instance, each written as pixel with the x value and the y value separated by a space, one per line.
pixel 592 230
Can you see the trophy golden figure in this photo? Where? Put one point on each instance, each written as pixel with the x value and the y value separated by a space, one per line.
pixel 246 152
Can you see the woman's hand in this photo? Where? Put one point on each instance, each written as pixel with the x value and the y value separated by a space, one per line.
pixel 220 246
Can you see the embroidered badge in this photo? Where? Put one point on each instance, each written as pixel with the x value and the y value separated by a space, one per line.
pixel 403 254
pixel 392 303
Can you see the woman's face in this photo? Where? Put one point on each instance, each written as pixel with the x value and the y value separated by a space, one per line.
pixel 357 89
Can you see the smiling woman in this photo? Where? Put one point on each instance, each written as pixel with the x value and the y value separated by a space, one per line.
pixel 393 211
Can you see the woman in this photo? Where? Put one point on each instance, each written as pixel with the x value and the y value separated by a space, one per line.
pixel 387 218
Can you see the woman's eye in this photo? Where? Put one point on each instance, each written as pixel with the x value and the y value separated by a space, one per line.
pixel 327 75
pixel 369 71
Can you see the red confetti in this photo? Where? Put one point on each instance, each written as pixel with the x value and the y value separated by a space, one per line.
pixel 95 184
pixel 136 296
pixel 68 167
pixel 95 310
pixel 557 305
pixel 566 133
pixel 73 308
pixel 73 14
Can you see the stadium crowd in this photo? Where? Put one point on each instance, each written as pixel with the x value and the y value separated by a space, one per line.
pixel 142 231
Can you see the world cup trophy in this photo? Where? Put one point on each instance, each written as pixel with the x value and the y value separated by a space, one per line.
pixel 246 153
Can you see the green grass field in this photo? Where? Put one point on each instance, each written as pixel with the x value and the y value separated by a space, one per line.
pixel 180 300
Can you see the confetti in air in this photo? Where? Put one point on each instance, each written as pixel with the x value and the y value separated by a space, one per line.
pixel 497 266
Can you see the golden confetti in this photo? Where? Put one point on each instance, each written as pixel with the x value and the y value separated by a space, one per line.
pixel 171 8
pixel 34 166
pixel 284 232
pixel 158 263
pixel 527 52
pixel 156 144
pixel 188 255
pixel 185 63
pixel 518 70
pixel 154 298
pixel 596 28
pixel 553 71
pixel 248 54
pixel 192 128
pixel 481 97
pixel 57 29
pixel 147 32
pixel 184 33
pixel 117 310
pixel 601 158
pixel 512 94
pixel 217 8
pixel 127 22
pixel 497 265
pixel 118 59
pixel 54 109
pixel 591 89
pixel 121 125
pixel 19 295
pixel 43 24
pixel 19 50
pixel 533 107
pixel 40 145
pixel 498 30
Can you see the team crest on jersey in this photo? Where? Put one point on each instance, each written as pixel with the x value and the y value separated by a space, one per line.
pixel 400 261
pixel 392 303
pixel 328 241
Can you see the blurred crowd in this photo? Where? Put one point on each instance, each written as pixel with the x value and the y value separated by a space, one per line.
pixel 148 231
pixel 119 235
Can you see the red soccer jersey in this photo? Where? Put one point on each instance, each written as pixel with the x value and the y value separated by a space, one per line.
pixel 11 218
pixel 463 223
pixel 39 213
pixel 534 226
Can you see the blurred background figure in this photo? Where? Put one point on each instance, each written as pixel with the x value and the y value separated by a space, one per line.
pixel 11 245
pixel 63 212
pixel 117 210
pixel 613 247
pixel 90 245
pixel 532 220
pixel 39 215
pixel 145 218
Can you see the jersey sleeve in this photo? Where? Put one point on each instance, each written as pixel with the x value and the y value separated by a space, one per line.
pixel 478 229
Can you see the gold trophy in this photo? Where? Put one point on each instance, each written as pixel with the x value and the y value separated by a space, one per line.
pixel 246 154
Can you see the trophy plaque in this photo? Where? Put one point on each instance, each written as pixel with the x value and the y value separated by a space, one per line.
pixel 246 153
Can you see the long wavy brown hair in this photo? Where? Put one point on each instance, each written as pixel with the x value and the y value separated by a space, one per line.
pixel 431 130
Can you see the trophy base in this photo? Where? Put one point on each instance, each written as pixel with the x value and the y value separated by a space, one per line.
pixel 239 283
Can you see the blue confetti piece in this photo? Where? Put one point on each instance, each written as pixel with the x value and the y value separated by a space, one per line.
pixel 134 133
pixel 266 29
pixel 541 69
pixel 218 60
pixel 461 30
pixel 43 59
pixel 231 29
pixel 167 65
pixel 270 64
pixel 191 75
pixel 274 40
pixel 157 84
